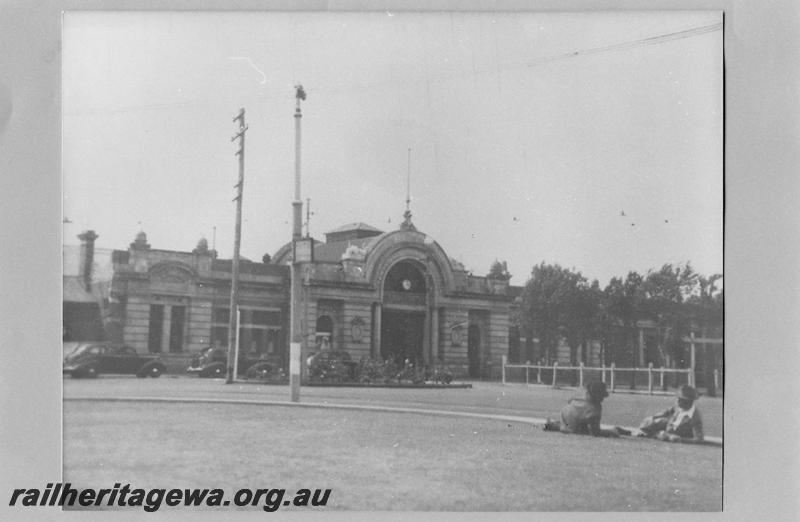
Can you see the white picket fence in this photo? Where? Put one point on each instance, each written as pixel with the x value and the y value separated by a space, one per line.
pixel 609 374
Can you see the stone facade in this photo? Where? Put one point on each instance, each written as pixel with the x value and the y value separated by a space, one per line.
pixel 385 295
pixel 398 295
pixel 177 303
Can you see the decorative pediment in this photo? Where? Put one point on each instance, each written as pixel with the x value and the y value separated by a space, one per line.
pixel 171 273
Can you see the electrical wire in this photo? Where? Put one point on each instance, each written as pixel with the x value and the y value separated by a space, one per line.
pixel 277 93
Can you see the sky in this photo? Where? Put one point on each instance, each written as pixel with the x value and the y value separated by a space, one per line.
pixel 589 140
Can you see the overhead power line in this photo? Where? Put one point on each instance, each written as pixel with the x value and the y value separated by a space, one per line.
pixel 652 40
pixel 275 92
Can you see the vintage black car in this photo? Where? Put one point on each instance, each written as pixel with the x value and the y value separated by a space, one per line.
pixel 212 362
pixel 332 366
pixel 92 359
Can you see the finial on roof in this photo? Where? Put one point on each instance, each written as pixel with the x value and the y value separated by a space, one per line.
pixel 407 224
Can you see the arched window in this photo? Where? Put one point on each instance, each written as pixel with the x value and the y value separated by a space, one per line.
pixel 405 277
pixel 324 333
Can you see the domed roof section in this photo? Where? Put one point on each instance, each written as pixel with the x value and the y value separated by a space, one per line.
pixel 350 231
pixel 457 265
pixel 140 243
pixel 337 241
pixel 202 246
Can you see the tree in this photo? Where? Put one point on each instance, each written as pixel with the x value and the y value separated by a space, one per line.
pixel 623 308
pixel 665 292
pixel 553 305
pixel 499 270
pixel 706 305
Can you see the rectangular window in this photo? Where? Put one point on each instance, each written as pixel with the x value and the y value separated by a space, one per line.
pixel 156 329
pixel 221 315
pixel 219 336
pixel 258 330
pixel 266 318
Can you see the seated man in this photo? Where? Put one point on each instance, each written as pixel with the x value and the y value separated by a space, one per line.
pixel 681 423
pixel 582 415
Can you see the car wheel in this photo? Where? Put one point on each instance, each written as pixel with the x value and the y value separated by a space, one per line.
pixel 90 372
pixel 154 371
pixel 260 371
pixel 214 370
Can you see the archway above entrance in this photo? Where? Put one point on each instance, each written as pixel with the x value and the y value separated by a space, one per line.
pixel 405 277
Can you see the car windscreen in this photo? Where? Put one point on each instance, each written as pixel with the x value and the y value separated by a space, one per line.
pixel 70 348
pixel 81 349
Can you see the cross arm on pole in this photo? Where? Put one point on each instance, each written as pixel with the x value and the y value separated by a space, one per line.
pixel 240 133
pixel 240 116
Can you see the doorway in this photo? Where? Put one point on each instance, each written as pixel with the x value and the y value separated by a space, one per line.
pixel 474 351
pixel 402 333
pixel 177 320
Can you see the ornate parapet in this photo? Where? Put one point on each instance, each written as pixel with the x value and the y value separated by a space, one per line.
pixel 353 264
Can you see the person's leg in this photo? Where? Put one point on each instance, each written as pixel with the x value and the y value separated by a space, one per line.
pixel 552 425
pixel 650 427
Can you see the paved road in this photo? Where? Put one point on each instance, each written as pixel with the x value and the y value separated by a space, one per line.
pixel 483 397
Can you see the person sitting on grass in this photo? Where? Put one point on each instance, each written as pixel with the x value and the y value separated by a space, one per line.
pixel 681 423
pixel 582 415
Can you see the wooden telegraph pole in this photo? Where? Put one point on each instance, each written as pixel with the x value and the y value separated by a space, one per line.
pixel 233 334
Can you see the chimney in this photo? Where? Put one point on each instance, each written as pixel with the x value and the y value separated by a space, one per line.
pixel 87 257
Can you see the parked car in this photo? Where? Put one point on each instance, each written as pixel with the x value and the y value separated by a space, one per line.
pixel 332 366
pixel 212 362
pixel 92 359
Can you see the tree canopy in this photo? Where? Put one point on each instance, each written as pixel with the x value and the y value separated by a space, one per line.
pixel 561 304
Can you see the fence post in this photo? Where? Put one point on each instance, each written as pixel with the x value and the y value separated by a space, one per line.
pixel 613 365
pixel 527 375
pixel 603 372
pixel 716 379
pixel 555 369
pixel 662 378
pixel 538 372
pixel 650 378
pixel 580 375
pixel 504 359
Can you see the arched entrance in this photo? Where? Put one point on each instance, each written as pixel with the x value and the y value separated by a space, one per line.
pixel 474 350
pixel 403 321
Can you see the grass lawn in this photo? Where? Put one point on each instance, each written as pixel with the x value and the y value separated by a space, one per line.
pixel 382 461
pixel 535 401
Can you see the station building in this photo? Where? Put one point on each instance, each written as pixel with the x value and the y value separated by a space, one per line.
pixel 384 295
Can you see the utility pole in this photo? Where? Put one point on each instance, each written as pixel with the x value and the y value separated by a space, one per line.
pixel 233 334
pixel 296 330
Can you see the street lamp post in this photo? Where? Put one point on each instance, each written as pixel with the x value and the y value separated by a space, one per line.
pixel 296 331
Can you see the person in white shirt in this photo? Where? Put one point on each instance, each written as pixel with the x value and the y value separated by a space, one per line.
pixel 681 423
